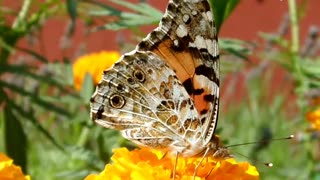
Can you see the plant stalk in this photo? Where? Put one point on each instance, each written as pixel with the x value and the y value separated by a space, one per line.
pixel 22 14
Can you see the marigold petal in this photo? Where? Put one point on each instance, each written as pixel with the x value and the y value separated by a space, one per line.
pixel 93 64
pixel 9 171
pixel 92 177
pixel 314 118
pixel 145 164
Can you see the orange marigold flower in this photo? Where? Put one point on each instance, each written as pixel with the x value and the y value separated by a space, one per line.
pixel 9 171
pixel 143 164
pixel 314 118
pixel 94 64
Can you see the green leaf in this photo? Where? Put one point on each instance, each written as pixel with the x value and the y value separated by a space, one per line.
pixel 222 10
pixel 72 10
pixel 35 98
pixel 25 71
pixel 29 115
pixel 129 20
pixel 34 54
pixel 15 138
pixel 236 47
pixel 87 88
pixel 145 15
pixel 142 8
pixel 275 39
pixel 311 66
pixel 3 95
pixel 315 175
pixel 69 73
pixel 5 45
pixel 107 10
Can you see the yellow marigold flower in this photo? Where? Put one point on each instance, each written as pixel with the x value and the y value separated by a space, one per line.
pixel 314 118
pixel 94 64
pixel 9 171
pixel 142 164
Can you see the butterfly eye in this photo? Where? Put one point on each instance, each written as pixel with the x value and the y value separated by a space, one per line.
pixel 117 101
pixel 137 74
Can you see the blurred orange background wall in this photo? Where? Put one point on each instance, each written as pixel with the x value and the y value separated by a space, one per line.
pixel 249 18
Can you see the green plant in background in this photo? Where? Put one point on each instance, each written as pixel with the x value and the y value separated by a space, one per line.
pixel 45 122
pixel 19 83
pixel 278 97
pixel 38 103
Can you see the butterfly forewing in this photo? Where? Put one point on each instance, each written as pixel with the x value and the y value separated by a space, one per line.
pixel 165 93
pixel 186 39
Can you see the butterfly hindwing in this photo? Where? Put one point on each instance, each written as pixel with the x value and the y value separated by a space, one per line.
pixel 141 96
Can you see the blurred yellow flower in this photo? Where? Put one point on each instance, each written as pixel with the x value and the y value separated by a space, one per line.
pixel 314 118
pixel 9 171
pixel 142 164
pixel 94 64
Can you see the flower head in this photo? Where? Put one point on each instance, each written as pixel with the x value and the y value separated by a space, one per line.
pixel 9 171
pixel 93 64
pixel 314 118
pixel 141 164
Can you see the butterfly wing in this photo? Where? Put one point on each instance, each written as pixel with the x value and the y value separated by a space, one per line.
pixel 141 96
pixel 165 93
pixel 186 39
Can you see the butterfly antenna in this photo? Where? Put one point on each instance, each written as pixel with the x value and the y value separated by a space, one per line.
pixel 256 161
pixel 262 141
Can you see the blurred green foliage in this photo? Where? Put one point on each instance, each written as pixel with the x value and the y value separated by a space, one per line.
pixel 45 125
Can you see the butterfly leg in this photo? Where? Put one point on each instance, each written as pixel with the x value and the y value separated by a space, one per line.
pixel 198 165
pixel 164 155
pixel 175 166
pixel 209 173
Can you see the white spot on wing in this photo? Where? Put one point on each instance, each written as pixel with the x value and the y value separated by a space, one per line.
pixel 209 15
pixel 176 43
pixel 186 18
pixel 193 12
pixel 181 31
pixel 209 44
pixel 199 42
pixel 215 48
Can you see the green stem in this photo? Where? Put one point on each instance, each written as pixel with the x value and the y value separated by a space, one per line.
pixel 17 26
pixel 83 137
pixel 294 49
pixel 22 14
pixel 294 26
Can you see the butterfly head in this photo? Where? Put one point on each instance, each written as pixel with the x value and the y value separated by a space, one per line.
pixel 217 149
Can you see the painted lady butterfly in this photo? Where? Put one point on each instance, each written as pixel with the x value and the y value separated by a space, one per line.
pixel 165 93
